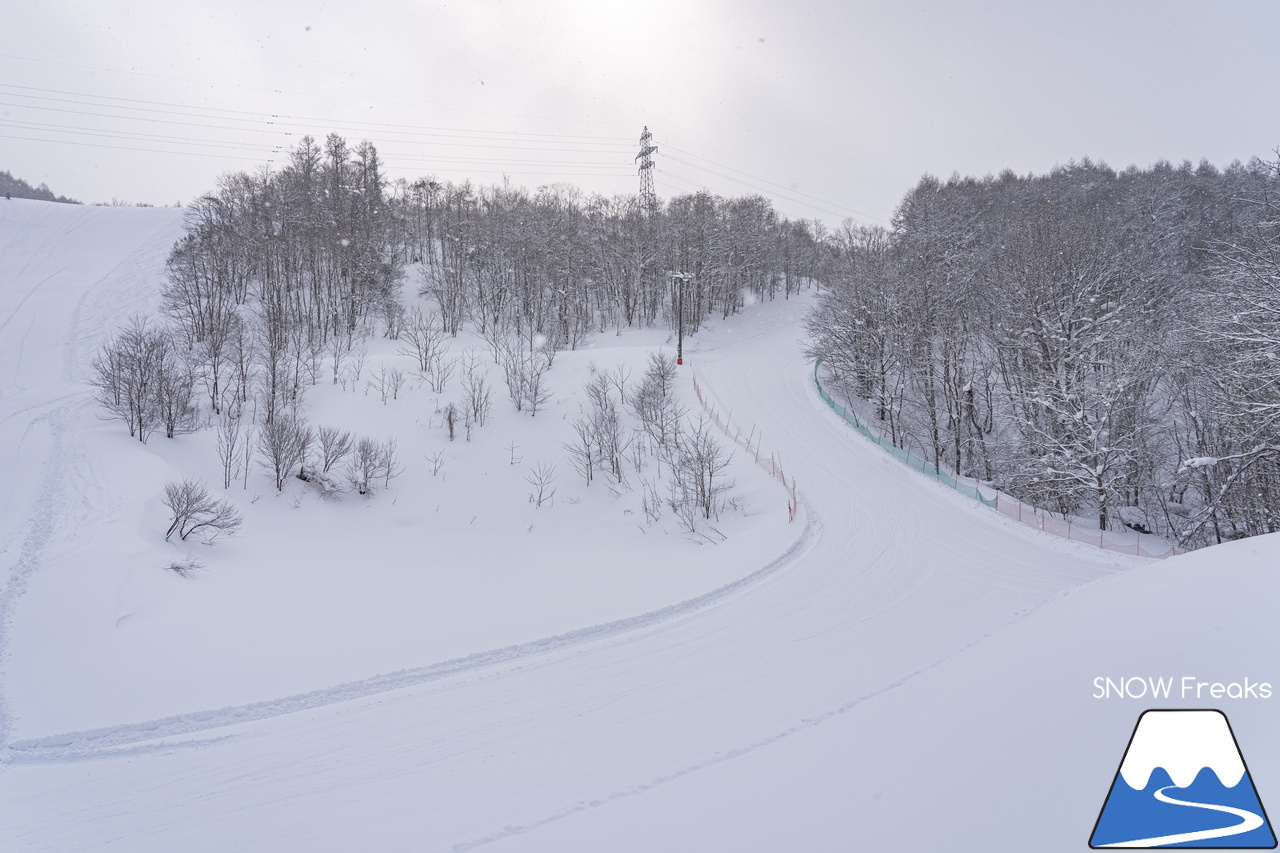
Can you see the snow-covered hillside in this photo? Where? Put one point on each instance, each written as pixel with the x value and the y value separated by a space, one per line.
pixel 898 669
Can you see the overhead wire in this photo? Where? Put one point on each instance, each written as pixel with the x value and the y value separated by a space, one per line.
pixel 273 123
pixel 278 132
pixel 762 190
pixel 440 164
pixel 131 148
pixel 281 149
pixel 756 179
pixel 263 90
pixel 141 137
pixel 256 116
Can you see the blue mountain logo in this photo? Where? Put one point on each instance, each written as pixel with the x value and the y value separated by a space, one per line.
pixel 1183 783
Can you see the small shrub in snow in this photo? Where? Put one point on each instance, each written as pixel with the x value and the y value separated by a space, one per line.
pixel 362 466
pixel 451 419
pixel 387 382
pixel 325 484
pixel 185 567
pixel 389 466
pixel 371 461
pixel 193 509
pixel 440 372
pixel 543 480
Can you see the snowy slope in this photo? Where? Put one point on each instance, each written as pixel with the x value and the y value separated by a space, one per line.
pixel 445 564
pixel 67 273
pixel 916 672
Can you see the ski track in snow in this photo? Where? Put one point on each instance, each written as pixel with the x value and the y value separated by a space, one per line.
pixel 112 740
pixel 891 576
pixel 62 396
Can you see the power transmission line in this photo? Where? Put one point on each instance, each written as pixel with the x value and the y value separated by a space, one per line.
pixel 274 133
pixel 271 123
pixel 755 181
pixel 327 96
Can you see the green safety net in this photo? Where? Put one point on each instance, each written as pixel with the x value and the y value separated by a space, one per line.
pixel 1011 508
pixel 909 458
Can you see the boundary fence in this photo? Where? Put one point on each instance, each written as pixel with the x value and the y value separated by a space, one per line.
pixel 1002 503
pixel 772 465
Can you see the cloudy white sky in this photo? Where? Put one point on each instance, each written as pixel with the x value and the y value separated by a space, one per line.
pixel 832 109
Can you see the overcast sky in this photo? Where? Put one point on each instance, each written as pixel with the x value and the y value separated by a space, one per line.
pixel 832 109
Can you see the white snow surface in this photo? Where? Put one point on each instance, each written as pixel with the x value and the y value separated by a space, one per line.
pixel 899 669
pixel 1183 743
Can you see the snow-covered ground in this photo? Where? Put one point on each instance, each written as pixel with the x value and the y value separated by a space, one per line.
pixel 899 669
pixel 450 559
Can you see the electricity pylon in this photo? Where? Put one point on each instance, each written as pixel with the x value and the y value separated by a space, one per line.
pixel 648 198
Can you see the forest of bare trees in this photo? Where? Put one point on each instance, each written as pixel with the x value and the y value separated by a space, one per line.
pixel 1091 341
pixel 283 274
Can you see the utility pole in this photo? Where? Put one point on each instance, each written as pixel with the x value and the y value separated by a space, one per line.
pixel 678 280
pixel 648 199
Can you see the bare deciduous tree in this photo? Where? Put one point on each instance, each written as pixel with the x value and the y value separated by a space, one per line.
pixel 283 444
pixel 654 403
pixel 363 465
pixel 371 460
pixel 130 372
pixel 423 337
pixel 438 375
pixel 194 509
pixel 335 444
pixel 524 367
pixel 584 451
pixel 175 405
pixel 478 396
pixel 389 466
pixel 339 347
pixel 232 437
pixel 698 469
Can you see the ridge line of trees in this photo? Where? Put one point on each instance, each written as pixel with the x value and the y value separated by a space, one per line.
pixel 19 188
